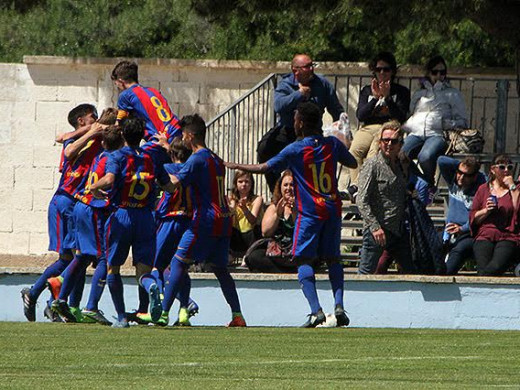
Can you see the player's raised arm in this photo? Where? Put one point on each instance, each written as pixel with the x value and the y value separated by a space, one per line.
pixel 72 150
pixel 253 168
pixel 104 183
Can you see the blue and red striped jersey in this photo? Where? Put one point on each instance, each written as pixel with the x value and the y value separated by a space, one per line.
pixel 177 204
pixel 206 174
pixel 74 172
pixel 135 173
pixel 96 172
pixel 148 104
pixel 313 161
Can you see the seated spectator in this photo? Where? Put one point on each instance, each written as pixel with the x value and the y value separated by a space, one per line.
pixel 381 101
pixel 436 107
pixel 493 219
pixel 463 179
pixel 274 253
pixel 247 208
pixel 382 201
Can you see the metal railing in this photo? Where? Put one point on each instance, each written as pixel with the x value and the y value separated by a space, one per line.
pixel 490 103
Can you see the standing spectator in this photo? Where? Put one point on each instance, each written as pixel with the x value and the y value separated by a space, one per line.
pixel 436 107
pixel 381 101
pixel 247 208
pixel 463 179
pixel 494 219
pixel 382 202
pixel 299 86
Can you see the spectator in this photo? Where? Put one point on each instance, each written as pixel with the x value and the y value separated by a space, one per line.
pixel 463 179
pixel 247 211
pixel 436 107
pixel 299 86
pixel 494 219
pixel 382 202
pixel 273 253
pixel 381 101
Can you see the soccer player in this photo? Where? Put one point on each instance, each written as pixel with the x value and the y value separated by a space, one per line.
pixel 173 215
pixel 131 172
pixel 208 235
pixel 313 160
pixel 90 215
pixel 143 102
pixel 61 232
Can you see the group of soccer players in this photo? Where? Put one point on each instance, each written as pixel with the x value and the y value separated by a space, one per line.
pixel 106 204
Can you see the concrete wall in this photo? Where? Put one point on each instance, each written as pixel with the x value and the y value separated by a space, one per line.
pixel 376 301
pixel 39 93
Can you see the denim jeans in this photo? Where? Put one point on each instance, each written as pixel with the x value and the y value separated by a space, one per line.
pixel 461 251
pixel 426 150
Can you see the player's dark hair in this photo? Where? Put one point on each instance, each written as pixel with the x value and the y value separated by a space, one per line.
pixel 178 150
pixel 311 115
pixel 108 116
pixel 79 111
pixel 194 124
pixel 126 71
pixel 112 138
pixel 133 131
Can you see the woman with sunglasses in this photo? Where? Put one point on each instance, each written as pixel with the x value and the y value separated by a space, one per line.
pixel 494 219
pixel 435 107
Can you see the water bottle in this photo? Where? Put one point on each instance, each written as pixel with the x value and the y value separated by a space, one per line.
pixel 344 126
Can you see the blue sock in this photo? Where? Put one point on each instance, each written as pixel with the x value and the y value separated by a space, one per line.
pixel 52 270
pixel 158 276
pixel 336 278
pixel 175 283
pixel 72 273
pixel 166 278
pixel 99 280
pixel 184 293
pixel 77 292
pixel 115 285
pixel 308 286
pixel 227 285
pixel 146 281
pixel 144 300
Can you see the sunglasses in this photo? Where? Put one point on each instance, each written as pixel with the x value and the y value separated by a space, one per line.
pixel 435 72
pixel 391 141
pixel 503 167
pixel 384 69
pixel 467 174
pixel 306 66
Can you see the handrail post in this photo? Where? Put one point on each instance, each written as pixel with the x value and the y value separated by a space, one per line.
pixel 501 116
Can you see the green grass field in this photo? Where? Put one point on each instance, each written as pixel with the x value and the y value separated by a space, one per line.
pixel 68 356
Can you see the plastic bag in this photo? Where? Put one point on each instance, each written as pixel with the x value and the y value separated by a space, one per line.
pixel 340 129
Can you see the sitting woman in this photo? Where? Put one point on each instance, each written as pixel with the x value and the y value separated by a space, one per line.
pixel 494 220
pixel 273 253
pixel 436 107
pixel 247 213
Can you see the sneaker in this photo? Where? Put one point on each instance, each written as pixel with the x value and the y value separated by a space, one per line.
pixel 54 286
pixel 352 192
pixel 184 318
pixel 314 320
pixel 76 312
pixel 237 322
pixel 163 320
pixel 138 318
pixel 121 324
pixel 341 317
pixel 155 309
pixel 29 306
pixel 95 316
pixel 52 316
pixel 193 309
pixel 60 307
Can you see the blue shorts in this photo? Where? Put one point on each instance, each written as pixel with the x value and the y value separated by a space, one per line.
pixel 199 246
pixel 169 233
pixel 61 223
pixel 90 229
pixel 127 228
pixel 317 238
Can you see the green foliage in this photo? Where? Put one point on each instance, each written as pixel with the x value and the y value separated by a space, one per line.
pixel 332 30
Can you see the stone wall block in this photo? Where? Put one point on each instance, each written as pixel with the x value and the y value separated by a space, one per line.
pixel 184 93
pixel 14 243
pixel 6 221
pixel 46 156
pixel 6 176
pixel 30 221
pixel 41 199
pixel 29 177
pixel 21 199
pixel 38 243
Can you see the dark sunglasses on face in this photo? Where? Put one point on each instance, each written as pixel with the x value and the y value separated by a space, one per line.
pixel 391 141
pixel 384 69
pixel 435 72
pixel 503 167
pixel 467 174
